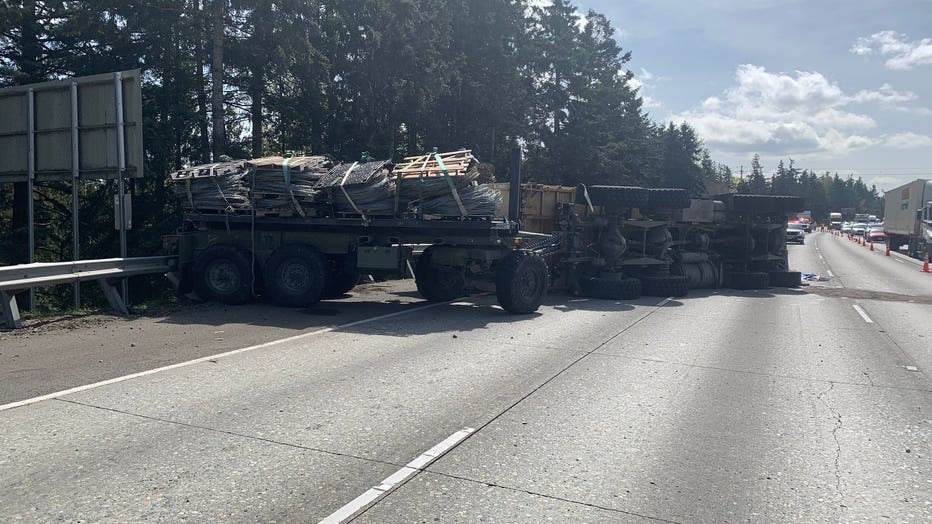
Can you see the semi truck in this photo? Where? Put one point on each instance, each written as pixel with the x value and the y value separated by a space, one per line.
pixel 835 221
pixel 908 217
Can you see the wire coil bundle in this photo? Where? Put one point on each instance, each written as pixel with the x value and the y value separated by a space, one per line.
pixel 360 188
pixel 422 177
pixel 477 200
pixel 436 184
pixel 218 187
pixel 287 184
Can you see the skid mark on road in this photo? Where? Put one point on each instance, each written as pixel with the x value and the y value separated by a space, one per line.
pixel 866 294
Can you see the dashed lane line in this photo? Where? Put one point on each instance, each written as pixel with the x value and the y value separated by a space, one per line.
pixel 394 480
pixel 862 313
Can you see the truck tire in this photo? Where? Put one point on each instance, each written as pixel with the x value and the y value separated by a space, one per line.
pixel 667 198
pixel 785 278
pixel 747 280
pixel 222 273
pixel 296 276
pixel 665 286
pixel 437 284
pixel 521 282
pixel 612 196
pixel 611 288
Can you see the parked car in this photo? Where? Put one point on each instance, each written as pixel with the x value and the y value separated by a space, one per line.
pixel 795 232
pixel 876 234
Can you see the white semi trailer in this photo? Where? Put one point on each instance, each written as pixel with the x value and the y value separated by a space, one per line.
pixel 908 217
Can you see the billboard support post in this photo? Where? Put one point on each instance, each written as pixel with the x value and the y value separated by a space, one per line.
pixel 75 181
pixel 30 182
pixel 121 155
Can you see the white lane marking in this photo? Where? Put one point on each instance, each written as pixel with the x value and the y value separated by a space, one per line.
pixel 829 271
pixel 862 313
pixel 821 258
pixel 376 492
pixel 665 301
pixel 898 260
pixel 107 382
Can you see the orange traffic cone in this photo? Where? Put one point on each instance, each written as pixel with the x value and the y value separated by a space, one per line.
pixel 925 265
pixel 888 250
pixel 872 246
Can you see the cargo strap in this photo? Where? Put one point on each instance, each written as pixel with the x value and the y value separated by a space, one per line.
pixel 286 170
pixel 446 176
pixel 286 174
pixel 345 176
pixel 585 193
pixel 187 187
pixel 229 208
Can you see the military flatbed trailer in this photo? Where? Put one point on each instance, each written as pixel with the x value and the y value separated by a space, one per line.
pixel 296 262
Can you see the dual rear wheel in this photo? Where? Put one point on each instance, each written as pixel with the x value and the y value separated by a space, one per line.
pixel 295 276
pixel 521 280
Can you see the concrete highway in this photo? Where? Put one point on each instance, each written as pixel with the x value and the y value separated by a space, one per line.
pixel 809 404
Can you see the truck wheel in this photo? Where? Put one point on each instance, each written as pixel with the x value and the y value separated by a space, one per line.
pixel 667 198
pixel 296 276
pixel 521 282
pixel 611 288
pixel 613 196
pixel 340 283
pixel 437 283
pixel 785 278
pixel 747 280
pixel 665 286
pixel 222 274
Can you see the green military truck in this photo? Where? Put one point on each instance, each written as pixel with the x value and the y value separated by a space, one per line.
pixel 296 262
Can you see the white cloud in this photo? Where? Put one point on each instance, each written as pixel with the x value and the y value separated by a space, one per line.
pixel 903 54
pixel 641 82
pixel 885 95
pixel 801 115
pixel 908 140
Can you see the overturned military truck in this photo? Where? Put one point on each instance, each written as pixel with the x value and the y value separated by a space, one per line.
pixel 620 242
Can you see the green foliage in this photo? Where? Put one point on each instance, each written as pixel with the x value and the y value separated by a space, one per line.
pixel 390 77
pixel 824 193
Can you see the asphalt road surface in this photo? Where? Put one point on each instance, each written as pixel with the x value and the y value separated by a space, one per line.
pixel 810 404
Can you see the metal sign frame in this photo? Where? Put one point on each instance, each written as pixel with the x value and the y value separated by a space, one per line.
pixel 84 128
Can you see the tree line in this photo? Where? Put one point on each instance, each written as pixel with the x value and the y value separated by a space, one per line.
pixel 387 78
pixel 824 192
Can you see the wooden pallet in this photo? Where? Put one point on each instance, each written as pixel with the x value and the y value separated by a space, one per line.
pixel 422 166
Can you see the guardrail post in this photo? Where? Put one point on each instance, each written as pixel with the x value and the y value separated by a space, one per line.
pixel 113 296
pixel 10 311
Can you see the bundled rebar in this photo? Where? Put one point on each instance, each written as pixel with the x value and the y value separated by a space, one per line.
pixel 360 188
pixel 477 200
pixel 218 187
pixel 287 184
pixel 434 174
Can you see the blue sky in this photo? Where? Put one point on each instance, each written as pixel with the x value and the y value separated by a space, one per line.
pixel 838 86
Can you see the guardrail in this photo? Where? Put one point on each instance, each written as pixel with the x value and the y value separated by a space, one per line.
pixel 14 279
